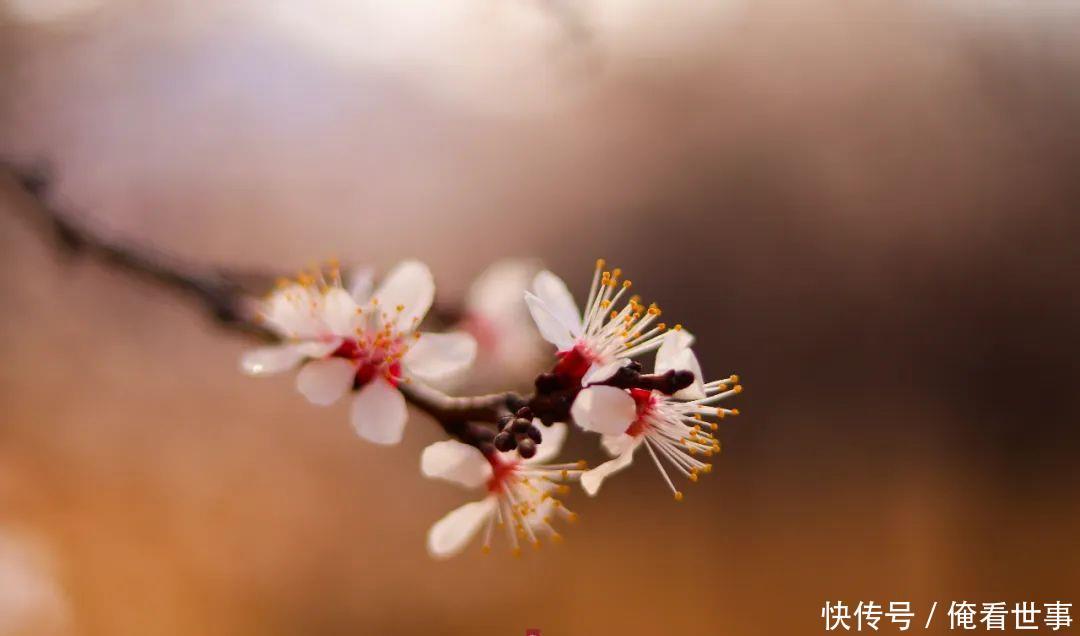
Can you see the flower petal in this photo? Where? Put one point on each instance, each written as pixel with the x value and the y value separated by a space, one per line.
pixel 289 311
pixel 604 409
pixel 675 353
pixel 379 413
pixel 270 360
pixel 674 343
pixel 361 282
pixel 450 534
pixel 687 361
pixel 324 381
pixel 496 294
pixel 339 311
pixel 318 348
pixel 552 442
pixel 551 328
pixel 437 355
pixel 601 372
pixel 616 445
pixel 411 287
pixel 278 358
pixel 453 461
pixel 559 301
pixel 592 479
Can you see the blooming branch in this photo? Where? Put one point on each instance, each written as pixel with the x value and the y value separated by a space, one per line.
pixel 228 296
pixel 346 336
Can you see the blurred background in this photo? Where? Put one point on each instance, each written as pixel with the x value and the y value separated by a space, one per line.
pixel 866 209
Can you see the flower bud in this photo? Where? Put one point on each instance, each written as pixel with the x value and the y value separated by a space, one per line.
pixel 534 434
pixel 505 442
pixel 526 448
pixel 680 380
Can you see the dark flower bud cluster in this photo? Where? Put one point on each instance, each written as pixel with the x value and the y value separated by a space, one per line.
pixel 517 431
pixel 555 393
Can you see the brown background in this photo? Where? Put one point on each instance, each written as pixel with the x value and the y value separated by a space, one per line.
pixel 868 210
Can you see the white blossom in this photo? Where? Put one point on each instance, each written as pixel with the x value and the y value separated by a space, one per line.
pixel 520 493
pixel 594 343
pixel 670 428
pixel 508 348
pixel 358 340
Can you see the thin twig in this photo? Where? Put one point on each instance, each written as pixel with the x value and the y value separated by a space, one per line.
pixel 227 296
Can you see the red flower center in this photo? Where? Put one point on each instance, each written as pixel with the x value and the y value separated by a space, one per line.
pixel 644 402
pixel 500 470
pixel 575 363
pixel 381 358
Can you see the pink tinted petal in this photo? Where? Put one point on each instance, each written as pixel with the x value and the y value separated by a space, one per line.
pixel 379 413
pixel 604 409
pixel 437 355
pixel 339 312
pixel 551 328
pixel 322 382
pixel 456 462
pixel 318 348
pixel 616 445
pixel 497 293
pixel 410 286
pixel 671 347
pixel 592 479
pixel 452 533
pixel 289 312
pixel 361 282
pixel 270 360
pixel 558 300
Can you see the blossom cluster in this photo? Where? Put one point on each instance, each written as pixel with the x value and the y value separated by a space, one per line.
pixel 365 340
pixel 359 340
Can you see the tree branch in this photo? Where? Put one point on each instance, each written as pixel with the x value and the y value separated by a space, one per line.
pixel 227 296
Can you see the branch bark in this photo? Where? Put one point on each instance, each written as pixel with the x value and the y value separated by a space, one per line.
pixel 228 297
pixel 225 295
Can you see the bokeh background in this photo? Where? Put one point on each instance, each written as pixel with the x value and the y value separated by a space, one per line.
pixel 866 209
